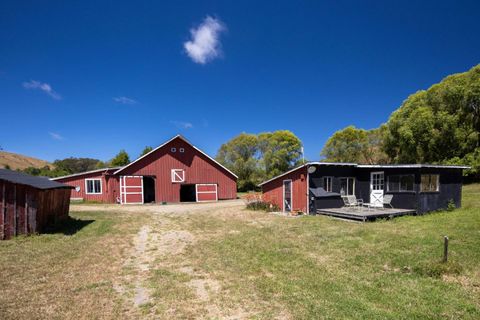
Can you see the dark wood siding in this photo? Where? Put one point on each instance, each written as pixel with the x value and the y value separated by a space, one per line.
pixel 26 210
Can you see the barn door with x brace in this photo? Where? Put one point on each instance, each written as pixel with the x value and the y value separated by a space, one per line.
pixel 131 190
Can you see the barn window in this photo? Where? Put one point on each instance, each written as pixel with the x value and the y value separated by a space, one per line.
pixel 327 184
pixel 182 150
pixel 178 175
pixel 347 186
pixel 430 183
pixel 93 186
pixel 401 183
pixel 173 149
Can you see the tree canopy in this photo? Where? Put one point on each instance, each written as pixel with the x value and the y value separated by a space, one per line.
pixel 121 159
pixel 146 150
pixel 438 125
pixel 255 158
pixel 355 145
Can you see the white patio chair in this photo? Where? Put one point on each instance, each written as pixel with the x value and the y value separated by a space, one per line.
pixel 352 202
pixel 387 200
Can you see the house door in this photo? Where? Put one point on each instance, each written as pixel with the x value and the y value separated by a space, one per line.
pixel 376 188
pixel 287 195
pixel 131 189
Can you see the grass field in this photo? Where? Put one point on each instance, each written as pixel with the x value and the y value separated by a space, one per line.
pixel 238 264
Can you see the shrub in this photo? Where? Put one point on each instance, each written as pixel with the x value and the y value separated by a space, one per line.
pixel 451 205
pixel 255 201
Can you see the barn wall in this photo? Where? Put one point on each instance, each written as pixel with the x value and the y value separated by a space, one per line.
pixel 199 169
pixel 26 210
pixel 273 190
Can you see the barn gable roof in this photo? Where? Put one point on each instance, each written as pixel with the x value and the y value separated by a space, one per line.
pixel 32 181
pixel 178 136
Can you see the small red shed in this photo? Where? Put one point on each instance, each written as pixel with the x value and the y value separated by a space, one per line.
pixel 288 191
pixel 30 204
pixel 176 171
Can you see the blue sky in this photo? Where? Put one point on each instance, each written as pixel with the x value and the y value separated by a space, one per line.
pixel 88 78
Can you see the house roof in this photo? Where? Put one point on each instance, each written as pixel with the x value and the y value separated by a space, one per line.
pixel 380 166
pixel 32 181
pixel 84 173
pixel 178 136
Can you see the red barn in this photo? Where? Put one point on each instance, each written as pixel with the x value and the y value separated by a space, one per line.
pixel 176 171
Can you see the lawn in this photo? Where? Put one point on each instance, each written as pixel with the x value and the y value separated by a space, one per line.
pixel 231 262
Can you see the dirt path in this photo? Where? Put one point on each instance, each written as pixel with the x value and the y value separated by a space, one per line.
pixel 161 244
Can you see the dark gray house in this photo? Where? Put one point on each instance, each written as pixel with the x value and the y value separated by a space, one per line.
pixel 319 185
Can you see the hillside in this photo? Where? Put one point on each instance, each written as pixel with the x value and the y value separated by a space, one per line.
pixel 18 161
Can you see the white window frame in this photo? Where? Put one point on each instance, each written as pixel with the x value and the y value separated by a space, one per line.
pixel 438 183
pixel 329 178
pixel 346 191
pixel 93 179
pixel 173 150
pixel 400 183
pixel 291 194
pixel 178 175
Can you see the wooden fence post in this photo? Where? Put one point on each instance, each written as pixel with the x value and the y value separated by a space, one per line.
pixel 445 249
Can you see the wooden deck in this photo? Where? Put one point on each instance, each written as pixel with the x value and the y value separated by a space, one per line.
pixel 364 214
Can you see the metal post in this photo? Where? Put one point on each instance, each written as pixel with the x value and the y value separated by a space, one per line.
pixel 445 249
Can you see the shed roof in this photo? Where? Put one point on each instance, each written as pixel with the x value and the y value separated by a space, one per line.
pixel 32 181
pixel 86 172
pixel 356 165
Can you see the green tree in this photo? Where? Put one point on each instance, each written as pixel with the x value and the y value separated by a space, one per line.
pixel 121 159
pixel 240 155
pixel 438 125
pixel 279 151
pixel 346 145
pixel 75 165
pixel 146 150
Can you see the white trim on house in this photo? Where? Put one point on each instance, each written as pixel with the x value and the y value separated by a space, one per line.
pixel 330 178
pixel 93 185
pixel 381 166
pixel 291 194
pixel 185 140
pixel 354 182
pixel 206 184
pixel 83 173
pixel 177 175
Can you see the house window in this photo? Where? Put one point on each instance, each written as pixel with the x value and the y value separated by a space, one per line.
pixel 173 149
pixel 401 183
pixel 327 184
pixel 430 183
pixel 182 150
pixel 178 175
pixel 347 186
pixel 93 186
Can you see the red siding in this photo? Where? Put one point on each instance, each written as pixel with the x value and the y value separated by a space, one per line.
pixel 273 190
pixel 109 188
pixel 199 169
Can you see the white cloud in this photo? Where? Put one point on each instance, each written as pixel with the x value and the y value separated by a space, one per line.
pixel 182 124
pixel 124 100
pixel 56 136
pixel 204 44
pixel 45 87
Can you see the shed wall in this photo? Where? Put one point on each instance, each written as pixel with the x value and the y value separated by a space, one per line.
pixel 273 190
pixel 27 210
